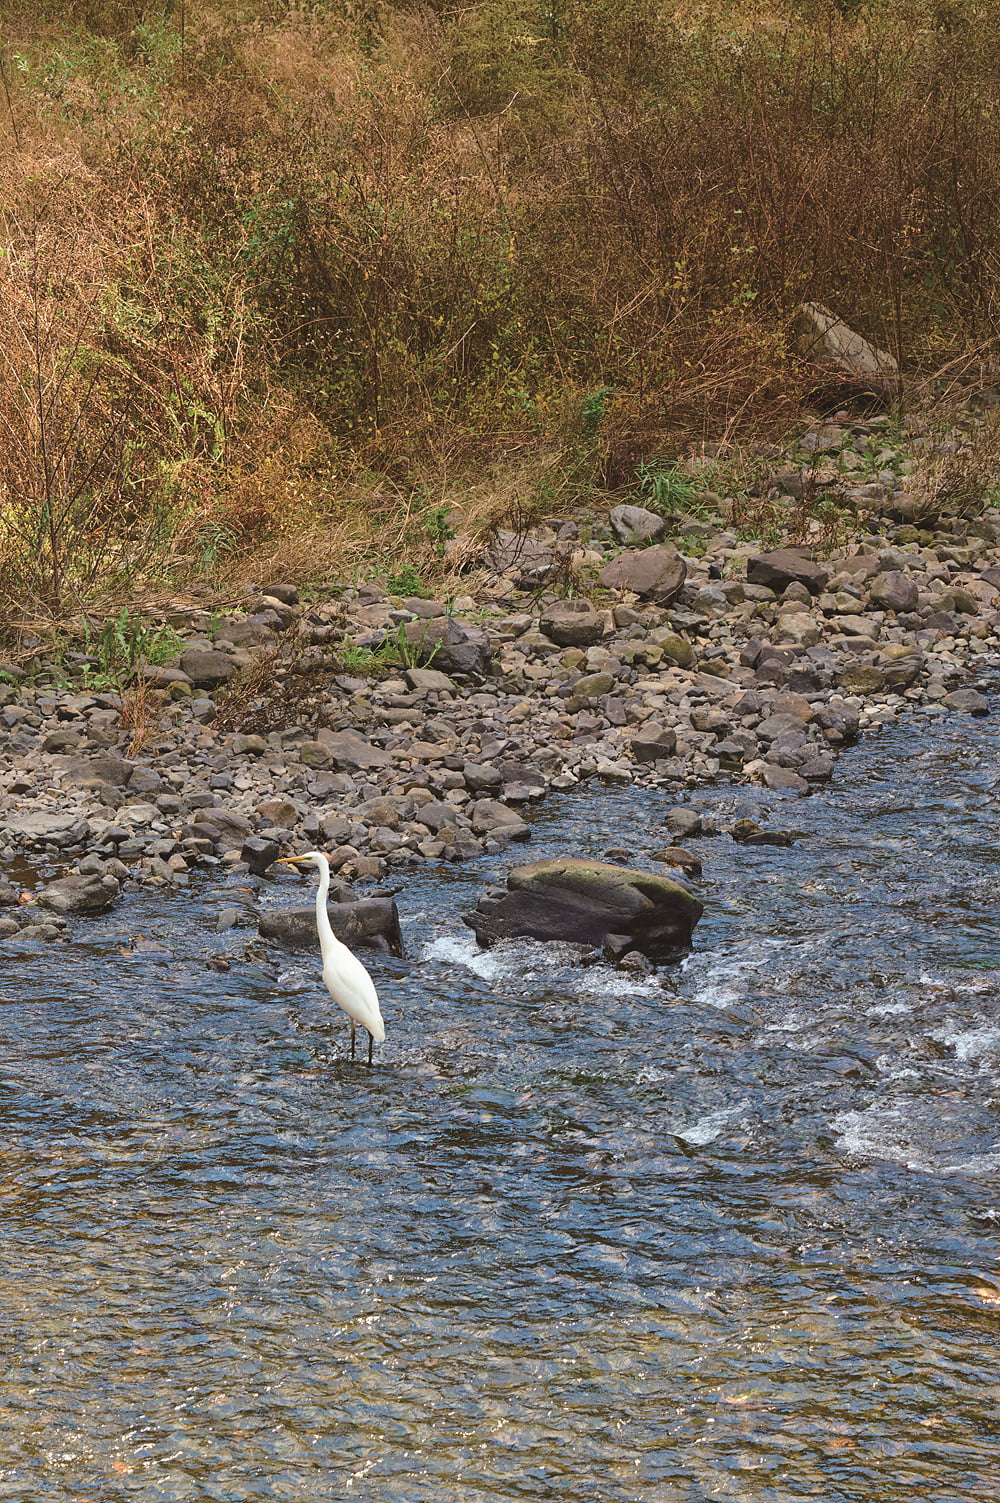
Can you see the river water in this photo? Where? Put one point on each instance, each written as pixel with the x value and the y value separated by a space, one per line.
pixel 727 1232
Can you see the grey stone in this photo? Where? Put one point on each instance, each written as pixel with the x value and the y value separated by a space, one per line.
pixel 348 749
pixel 259 854
pixel 677 649
pixel 785 780
pixel 228 823
pixel 529 559
pixel 366 921
pixel 653 742
pixel 207 668
pixel 894 591
pixel 590 688
pixel 79 894
pixel 429 681
pixel 248 746
pixel 61 741
pixel 315 754
pixel 821 337
pixel 656 573
pixel 862 678
pixel 970 701
pixel 449 645
pixel 480 779
pixel 572 623
pixel 683 822
pixel 47 827
pixel 489 816
pixel 777 570
pixel 635 525
pixel 91 772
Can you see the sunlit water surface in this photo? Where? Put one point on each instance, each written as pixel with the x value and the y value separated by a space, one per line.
pixel 727 1232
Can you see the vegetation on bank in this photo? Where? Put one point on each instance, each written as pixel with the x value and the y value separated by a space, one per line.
pixel 291 283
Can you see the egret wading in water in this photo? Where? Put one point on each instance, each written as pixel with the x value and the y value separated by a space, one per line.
pixel 347 981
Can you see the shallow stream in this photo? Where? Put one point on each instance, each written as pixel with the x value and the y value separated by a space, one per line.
pixel 729 1232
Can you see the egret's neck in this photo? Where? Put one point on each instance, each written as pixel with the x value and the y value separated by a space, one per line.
pixel 322 893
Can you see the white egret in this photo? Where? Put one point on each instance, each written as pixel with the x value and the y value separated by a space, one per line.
pixel 347 981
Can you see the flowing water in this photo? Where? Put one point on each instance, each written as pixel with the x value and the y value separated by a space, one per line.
pixel 729 1231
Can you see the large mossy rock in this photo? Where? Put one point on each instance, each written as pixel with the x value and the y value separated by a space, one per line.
pixel 589 902
pixel 367 921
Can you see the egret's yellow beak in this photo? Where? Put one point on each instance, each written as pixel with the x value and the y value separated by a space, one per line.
pixel 287 861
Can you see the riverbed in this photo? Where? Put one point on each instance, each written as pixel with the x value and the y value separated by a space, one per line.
pixel 725 1231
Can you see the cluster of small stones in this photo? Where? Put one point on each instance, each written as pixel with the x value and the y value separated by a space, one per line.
pixel 763 665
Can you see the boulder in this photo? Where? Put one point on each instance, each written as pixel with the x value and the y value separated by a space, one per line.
pixel 79 894
pixel 92 772
pixel 531 560
pixel 449 645
pixel 227 824
pixel 862 678
pixel 653 741
pixel 572 623
pixel 259 854
pixel 206 668
pixel 48 827
pixel 820 336
pixel 968 700
pixel 634 524
pixel 348 749
pixel 798 627
pixel 366 921
pixel 894 591
pixel 429 681
pixel 653 573
pixel 777 570
pixel 590 902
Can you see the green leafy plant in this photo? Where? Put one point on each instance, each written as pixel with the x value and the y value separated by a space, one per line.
pixel 118 647
pixel 438 528
pixel 406 581
pixel 666 485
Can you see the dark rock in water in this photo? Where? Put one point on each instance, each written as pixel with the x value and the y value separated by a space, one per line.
pixel 259 854
pixel 676 855
pixel 590 902
pixel 969 700
pixel 76 894
pixel 368 921
pixel 749 832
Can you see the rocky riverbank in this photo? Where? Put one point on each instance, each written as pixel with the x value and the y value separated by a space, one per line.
pixel 662 665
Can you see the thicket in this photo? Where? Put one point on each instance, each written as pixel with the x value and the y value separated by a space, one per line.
pixel 294 278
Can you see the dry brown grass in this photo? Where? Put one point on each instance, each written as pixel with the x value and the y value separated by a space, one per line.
pixel 351 262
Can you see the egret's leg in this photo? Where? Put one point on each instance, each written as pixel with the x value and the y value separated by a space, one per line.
pixel 370 1042
pixel 352 1038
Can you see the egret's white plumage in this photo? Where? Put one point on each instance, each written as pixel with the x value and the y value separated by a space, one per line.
pixel 347 981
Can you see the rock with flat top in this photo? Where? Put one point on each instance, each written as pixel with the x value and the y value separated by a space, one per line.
pixel 617 908
pixel 79 894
